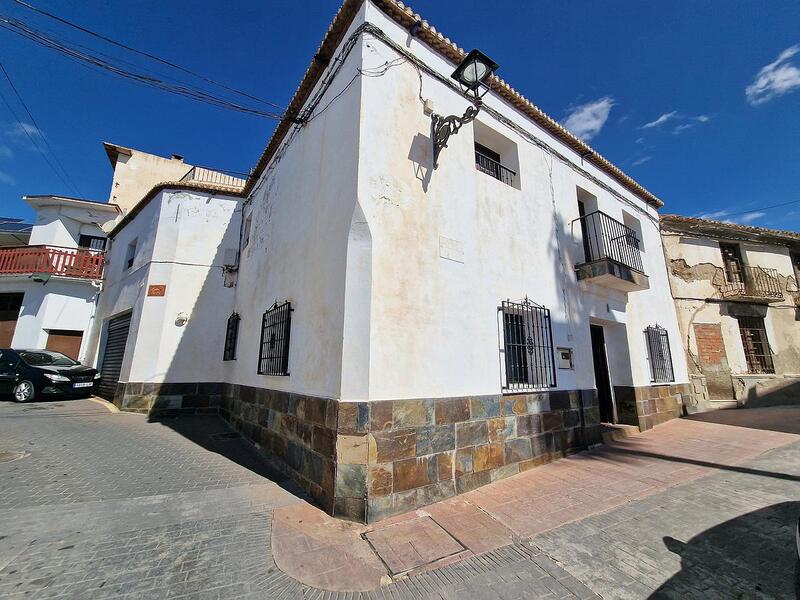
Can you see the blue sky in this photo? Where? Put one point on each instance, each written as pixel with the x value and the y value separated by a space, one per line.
pixel 698 101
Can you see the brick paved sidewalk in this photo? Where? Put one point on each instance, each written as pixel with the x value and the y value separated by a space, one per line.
pixel 313 548
pixel 109 505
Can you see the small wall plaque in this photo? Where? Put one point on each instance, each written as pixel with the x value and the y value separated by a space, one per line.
pixel 564 357
pixel 157 290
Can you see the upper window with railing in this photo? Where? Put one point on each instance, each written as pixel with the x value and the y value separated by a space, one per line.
pixel 496 155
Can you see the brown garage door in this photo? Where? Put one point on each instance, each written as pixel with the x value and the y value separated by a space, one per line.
pixel 113 353
pixel 65 341
pixel 9 311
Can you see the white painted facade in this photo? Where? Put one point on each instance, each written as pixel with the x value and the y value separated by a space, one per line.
pixel 180 238
pixel 395 272
pixel 57 302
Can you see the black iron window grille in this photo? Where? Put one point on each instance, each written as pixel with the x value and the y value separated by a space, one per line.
pixel 605 237
pixel 527 346
pixel 755 344
pixel 231 336
pixel 660 355
pixel 488 161
pixel 273 356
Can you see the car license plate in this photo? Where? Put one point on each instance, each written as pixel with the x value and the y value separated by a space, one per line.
pixel 80 385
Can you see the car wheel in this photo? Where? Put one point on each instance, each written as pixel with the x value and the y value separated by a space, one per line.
pixel 24 391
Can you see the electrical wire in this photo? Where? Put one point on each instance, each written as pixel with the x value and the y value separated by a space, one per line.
pixel 39 129
pixel 147 55
pixel 93 60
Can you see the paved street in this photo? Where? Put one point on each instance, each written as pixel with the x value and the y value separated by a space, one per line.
pixel 101 504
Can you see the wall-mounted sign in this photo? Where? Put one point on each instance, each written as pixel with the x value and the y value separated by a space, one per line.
pixel 157 290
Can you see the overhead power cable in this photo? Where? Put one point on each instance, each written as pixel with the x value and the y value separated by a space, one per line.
pixel 41 136
pixel 147 55
pixel 95 61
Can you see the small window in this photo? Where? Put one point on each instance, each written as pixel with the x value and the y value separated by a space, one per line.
pixel 659 354
pixel 496 155
pixel 755 344
pixel 92 242
pixel 231 336
pixel 273 356
pixel 527 346
pixel 248 223
pixel 130 255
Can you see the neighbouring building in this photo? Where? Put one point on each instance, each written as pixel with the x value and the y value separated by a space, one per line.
pixel 736 294
pixel 49 286
pixel 14 232
pixel 391 333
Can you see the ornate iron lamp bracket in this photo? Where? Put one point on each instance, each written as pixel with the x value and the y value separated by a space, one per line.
pixel 443 127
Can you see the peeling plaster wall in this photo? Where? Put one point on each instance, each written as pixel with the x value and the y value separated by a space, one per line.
pixel 697 274
pixel 449 245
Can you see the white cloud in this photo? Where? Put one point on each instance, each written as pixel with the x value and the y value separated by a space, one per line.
pixel 586 120
pixel 681 128
pixel 641 161
pixel 21 129
pixel 7 179
pixel 775 79
pixel 660 120
pixel 718 214
pixel 750 217
pixel 702 118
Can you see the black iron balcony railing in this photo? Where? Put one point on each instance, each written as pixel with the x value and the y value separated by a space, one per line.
pixel 606 238
pixel 754 282
pixel 491 167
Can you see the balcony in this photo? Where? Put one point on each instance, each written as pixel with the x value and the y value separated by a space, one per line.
pixel 753 284
pixel 612 257
pixel 490 166
pixel 52 260
pixel 203 175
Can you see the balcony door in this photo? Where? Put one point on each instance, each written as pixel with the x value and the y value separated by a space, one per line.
pixel 732 260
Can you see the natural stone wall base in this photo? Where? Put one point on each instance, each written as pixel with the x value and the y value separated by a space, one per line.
pixel 648 406
pixel 365 461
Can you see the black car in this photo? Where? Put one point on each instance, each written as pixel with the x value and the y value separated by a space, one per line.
pixel 27 374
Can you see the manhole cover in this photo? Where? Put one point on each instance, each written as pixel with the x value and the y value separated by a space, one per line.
pixel 230 435
pixel 6 456
pixel 412 544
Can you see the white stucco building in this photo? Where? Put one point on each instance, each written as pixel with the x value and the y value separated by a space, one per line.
pixel 392 333
pixel 737 297
pixel 49 287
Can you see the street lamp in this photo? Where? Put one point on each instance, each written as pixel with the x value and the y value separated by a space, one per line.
pixel 472 74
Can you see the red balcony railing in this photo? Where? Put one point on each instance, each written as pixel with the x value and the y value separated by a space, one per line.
pixel 53 260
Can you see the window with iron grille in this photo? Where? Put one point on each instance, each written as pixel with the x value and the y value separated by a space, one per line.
pixel 527 346
pixel 231 336
pixel 273 356
pixel 755 344
pixel 659 354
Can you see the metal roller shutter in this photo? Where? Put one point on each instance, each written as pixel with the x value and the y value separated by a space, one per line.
pixel 113 354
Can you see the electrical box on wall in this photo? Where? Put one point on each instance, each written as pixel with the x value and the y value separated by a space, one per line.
pixel 564 358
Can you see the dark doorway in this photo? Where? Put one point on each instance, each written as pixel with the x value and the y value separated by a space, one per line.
pixel 10 305
pixel 113 353
pixel 602 380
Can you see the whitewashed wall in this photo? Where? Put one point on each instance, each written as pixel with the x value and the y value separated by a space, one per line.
pixel 181 240
pixel 433 324
pixel 301 213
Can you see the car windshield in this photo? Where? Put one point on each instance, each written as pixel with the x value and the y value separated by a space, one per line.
pixel 46 358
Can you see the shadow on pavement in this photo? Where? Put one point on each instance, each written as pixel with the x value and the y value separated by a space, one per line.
pixel 213 434
pixel 751 556
pixel 775 418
